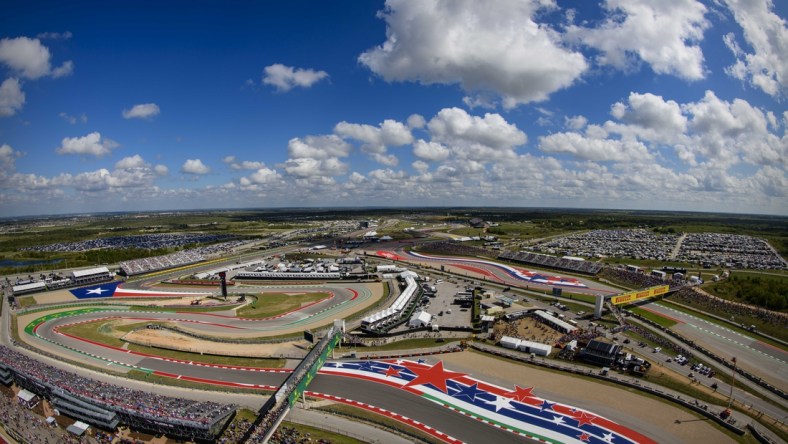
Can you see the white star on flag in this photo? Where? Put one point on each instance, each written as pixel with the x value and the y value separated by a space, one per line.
pixel 97 291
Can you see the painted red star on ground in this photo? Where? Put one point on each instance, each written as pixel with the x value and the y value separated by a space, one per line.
pixel 584 419
pixel 584 437
pixel 434 375
pixel 525 395
pixel 391 371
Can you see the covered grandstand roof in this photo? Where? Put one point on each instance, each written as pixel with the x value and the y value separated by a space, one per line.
pixel 29 287
pixel 555 321
pixel 89 272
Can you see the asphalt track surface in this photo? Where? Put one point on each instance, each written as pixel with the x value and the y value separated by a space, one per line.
pixel 224 323
pixel 457 425
pixel 340 297
pixel 497 274
pixel 751 354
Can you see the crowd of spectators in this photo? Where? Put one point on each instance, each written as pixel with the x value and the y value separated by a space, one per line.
pixel 26 426
pixel 635 243
pixel 235 432
pixel 635 279
pixel 266 423
pixel 143 241
pixel 543 260
pixel 456 249
pixel 660 341
pixel 290 435
pixel 114 397
pixel 713 304
pixel 222 248
pixel 729 251
pixel 150 264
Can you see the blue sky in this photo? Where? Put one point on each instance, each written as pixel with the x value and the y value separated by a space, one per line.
pixel 671 105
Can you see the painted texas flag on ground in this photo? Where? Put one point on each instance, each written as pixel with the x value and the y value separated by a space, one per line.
pixel 114 289
pixel 521 410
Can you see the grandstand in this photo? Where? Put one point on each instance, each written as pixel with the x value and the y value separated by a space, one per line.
pixel 78 277
pixel 106 405
pixel 90 276
pixel 156 263
pixel 272 275
pixel 553 262
pixel 392 316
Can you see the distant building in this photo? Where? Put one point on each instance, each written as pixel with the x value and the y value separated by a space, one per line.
pixel 477 223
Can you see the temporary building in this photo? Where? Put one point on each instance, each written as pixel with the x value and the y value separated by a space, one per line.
pixel 510 342
pixel 419 319
pixel 536 348
pixel 27 398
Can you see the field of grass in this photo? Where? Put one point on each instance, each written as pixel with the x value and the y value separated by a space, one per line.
pixel 651 316
pixel 272 304
pixel 760 289
pixel 188 308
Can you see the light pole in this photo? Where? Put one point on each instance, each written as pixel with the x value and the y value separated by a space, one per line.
pixel 733 382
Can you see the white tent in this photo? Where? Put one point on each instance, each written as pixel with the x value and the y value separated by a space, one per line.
pixel 78 428
pixel 27 399
pixel 419 319
pixel 510 342
pixel 536 348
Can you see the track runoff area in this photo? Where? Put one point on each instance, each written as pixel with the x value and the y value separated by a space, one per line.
pixel 449 405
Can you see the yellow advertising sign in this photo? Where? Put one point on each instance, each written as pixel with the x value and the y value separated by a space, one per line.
pixel 634 296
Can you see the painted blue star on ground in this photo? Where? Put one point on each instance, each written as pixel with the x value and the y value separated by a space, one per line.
pixel 469 392
pixel 547 405
pixel 367 367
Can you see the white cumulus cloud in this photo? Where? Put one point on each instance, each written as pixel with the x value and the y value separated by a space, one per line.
pixel 456 126
pixel 307 167
pixel 664 34
pixel 195 166
pixel 265 176
pixel 376 140
pixel 92 144
pixel 432 151
pixel 487 47
pixel 30 58
pixel 142 111
pixel 284 78
pixel 243 165
pixel 12 98
pixel 318 147
pixel 766 66
pixel 161 170
pixel 127 163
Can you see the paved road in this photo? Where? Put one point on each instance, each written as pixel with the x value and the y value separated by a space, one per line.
pixel 751 354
